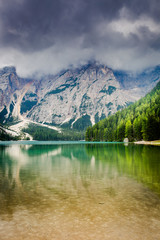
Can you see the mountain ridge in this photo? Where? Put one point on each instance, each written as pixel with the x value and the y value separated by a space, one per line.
pixel 74 97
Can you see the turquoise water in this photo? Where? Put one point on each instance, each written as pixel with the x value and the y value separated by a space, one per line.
pixel 79 190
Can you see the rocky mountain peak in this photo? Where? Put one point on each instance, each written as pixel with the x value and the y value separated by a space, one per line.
pixel 75 98
pixel 10 69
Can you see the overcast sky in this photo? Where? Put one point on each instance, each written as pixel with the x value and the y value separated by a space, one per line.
pixel 46 36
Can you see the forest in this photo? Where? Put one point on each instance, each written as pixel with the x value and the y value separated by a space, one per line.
pixel 140 120
pixel 46 134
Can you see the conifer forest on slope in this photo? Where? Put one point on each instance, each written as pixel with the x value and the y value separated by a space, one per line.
pixel 140 120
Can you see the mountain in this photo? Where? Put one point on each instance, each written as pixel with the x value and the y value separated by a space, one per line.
pixel 74 98
pixel 7 135
pixel 129 79
pixel 140 120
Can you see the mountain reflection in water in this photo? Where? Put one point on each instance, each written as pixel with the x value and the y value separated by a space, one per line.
pixel 79 191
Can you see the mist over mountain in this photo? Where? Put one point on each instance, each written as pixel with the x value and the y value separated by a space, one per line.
pixel 48 36
pixel 74 98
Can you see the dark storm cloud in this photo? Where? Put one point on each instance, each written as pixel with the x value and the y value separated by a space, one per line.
pixel 35 24
pixel 96 28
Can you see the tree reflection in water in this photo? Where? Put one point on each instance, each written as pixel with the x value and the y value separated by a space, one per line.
pixel 64 186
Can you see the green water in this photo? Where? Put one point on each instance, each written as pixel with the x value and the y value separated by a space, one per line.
pixel 74 190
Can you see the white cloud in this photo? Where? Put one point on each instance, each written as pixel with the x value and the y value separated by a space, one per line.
pixel 51 60
pixel 127 27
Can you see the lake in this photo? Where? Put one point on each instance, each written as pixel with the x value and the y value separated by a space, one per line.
pixel 79 191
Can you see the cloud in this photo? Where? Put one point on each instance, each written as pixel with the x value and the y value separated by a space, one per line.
pixel 48 36
pixel 127 27
pixel 50 60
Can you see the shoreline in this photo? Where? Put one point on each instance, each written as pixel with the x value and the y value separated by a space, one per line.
pixel 153 143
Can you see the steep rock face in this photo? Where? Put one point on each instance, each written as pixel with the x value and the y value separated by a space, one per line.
pixel 12 90
pixel 92 90
pixel 86 94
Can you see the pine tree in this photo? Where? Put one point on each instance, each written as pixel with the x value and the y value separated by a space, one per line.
pixel 137 129
pixel 129 130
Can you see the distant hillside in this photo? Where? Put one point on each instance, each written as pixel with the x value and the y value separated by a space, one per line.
pixel 140 120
